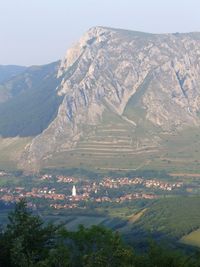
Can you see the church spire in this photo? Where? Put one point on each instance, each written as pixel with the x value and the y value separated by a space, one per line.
pixel 74 191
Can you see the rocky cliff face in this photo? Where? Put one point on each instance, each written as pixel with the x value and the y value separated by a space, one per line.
pixel 110 69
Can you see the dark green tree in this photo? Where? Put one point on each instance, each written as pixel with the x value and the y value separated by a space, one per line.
pixel 26 240
pixel 98 246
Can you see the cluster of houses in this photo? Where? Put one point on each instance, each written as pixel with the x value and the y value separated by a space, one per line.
pixel 3 173
pixel 162 185
pixel 110 182
pixel 152 183
pixel 126 197
pixel 65 206
pixel 66 179
pixel 59 178
pixel 87 190
pixel 9 195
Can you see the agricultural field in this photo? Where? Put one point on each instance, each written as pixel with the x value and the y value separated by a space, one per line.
pixel 192 239
pixel 172 217
pixel 116 144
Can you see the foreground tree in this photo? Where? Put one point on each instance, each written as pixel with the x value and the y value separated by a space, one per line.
pixel 26 240
pixel 98 246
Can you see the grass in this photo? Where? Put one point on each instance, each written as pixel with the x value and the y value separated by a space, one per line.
pixel 84 220
pixel 135 100
pixel 10 151
pixel 172 217
pixel 73 221
pixel 192 239
pixel 136 216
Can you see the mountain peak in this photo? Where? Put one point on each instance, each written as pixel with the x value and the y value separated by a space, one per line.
pixel 95 35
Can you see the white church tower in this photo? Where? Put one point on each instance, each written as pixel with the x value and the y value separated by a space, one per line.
pixel 74 191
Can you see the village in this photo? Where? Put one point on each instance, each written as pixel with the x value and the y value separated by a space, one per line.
pixel 69 192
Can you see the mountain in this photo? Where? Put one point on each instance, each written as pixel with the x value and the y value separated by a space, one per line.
pixel 31 102
pixel 9 71
pixel 119 99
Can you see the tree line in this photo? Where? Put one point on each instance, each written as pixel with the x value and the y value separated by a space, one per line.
pixel 28 241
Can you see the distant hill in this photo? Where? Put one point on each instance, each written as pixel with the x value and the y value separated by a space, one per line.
pixel 9 71
pixel 32 103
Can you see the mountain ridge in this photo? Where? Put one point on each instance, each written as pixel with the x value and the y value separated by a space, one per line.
pixel 9 71
pixel 27 95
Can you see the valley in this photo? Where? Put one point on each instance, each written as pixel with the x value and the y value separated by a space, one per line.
pixel 133 203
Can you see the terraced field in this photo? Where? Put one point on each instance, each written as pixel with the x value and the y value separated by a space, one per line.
pixel 110 145
pixel 118 143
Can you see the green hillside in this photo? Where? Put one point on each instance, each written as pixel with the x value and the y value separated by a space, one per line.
pixel 34 102
pixel 10 151
pixel 170 217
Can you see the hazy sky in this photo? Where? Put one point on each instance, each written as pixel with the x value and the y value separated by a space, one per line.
pixel 40 31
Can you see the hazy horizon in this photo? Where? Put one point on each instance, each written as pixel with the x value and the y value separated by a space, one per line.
pixel 39 32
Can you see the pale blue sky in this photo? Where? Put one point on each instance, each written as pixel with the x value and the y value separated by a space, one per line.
pixel 40 31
